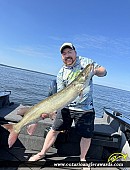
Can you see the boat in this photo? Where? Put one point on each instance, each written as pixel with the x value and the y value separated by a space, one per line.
pixel 4 98
pixel 110 144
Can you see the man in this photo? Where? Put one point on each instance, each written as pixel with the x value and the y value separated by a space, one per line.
pixel 81 109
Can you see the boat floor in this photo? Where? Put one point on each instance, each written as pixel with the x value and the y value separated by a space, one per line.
pixel 16 154
pixel 22 154
pixel 19 154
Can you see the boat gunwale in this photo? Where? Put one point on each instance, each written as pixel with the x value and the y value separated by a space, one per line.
pixel 123 120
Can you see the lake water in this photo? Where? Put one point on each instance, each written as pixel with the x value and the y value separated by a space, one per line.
pixel 29 87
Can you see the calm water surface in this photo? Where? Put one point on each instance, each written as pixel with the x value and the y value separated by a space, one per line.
pixel 28 87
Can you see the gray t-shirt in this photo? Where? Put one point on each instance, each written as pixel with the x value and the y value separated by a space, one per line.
pixel 67 74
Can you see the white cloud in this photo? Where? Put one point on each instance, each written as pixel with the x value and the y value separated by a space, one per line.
pixel 120 45
pixel 31 51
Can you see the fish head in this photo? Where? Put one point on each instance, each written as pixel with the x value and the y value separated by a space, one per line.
pixel 85 76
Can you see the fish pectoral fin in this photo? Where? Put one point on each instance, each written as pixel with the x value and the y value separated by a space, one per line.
pixel 13 135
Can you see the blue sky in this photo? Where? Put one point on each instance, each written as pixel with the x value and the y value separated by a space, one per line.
pixel 32 31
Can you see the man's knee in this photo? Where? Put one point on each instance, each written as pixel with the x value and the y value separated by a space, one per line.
pixel 54 132
pixel 87 140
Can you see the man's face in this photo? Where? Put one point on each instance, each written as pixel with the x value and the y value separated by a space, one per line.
pixel 69 56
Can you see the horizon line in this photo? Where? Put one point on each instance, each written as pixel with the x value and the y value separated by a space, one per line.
pixel 19 68
pixel 26 69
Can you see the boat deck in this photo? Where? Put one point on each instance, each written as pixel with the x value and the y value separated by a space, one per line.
pixel 19 154
pixel 27 145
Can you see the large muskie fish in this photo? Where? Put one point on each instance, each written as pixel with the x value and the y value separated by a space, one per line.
pixel 53 103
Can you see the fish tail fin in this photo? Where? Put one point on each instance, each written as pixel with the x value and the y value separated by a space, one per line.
pixel 13 135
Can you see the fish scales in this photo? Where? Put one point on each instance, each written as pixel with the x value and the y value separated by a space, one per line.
pixel 53 103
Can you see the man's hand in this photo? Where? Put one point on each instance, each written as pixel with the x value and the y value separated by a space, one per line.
pixel 100 71
pixel 52 115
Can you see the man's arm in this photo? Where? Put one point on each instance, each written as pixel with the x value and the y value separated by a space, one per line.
pixel 100 71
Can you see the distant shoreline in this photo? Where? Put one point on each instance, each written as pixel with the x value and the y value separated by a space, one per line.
pixel 26 70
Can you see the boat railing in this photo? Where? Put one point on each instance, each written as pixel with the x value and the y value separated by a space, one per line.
pixel 121 118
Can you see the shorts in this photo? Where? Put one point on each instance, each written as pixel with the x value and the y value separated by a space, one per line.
pixel 84 121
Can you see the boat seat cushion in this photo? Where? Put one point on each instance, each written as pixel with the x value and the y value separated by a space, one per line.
pixel 10 113
pixel 104 130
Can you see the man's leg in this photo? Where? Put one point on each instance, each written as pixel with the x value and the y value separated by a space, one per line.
pixel 84 122
pixel 62 121
pixel 84 146
pixel 49 141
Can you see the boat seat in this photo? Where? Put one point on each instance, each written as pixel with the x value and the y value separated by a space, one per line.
pixel 103 129
pixel 9 113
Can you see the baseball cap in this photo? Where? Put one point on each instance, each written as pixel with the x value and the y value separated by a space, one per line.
pixel 65 45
